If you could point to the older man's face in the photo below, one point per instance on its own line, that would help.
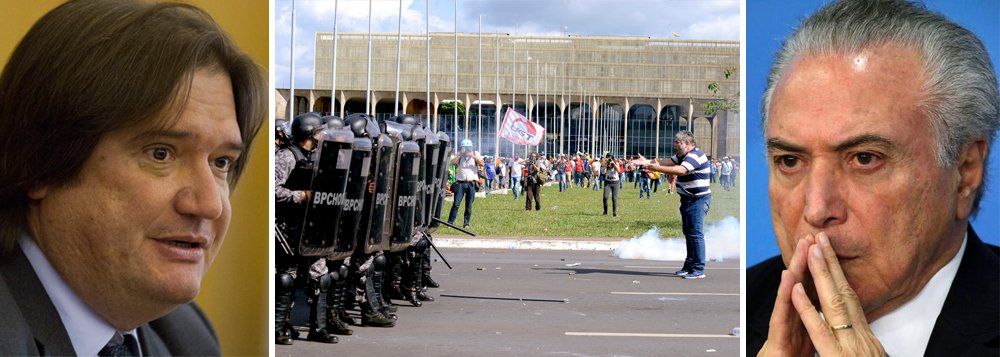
(851, 154)
(149, 210)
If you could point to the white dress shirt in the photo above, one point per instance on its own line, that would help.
(906, 330)
(88, 332)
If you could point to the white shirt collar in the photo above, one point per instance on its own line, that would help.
(88, 332)
(906, 331)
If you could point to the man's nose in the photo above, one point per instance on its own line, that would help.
(202, 194)
(824, 204)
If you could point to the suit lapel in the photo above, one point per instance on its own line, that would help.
(35, 306)
(151, 343)
(968, 321)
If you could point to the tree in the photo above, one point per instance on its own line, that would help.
(722, 103)
(449, 108)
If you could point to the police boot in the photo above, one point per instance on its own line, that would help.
(426, 262)
(371, 312)
(376, 279)
(335, 299)
(410, 286)
(285, 285)
(318, 312)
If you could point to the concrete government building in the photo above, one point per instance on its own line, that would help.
(624, 95)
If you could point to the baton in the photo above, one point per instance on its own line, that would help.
(439, 252)
(438, 220)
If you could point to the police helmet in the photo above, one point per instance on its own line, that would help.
(408, 119)
(305, 125)
(333, 122)
(357, 123)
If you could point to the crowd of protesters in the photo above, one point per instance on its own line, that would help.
(584, 171)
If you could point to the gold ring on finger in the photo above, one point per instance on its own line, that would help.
(841, 327)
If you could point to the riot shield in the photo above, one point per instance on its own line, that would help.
(440, 180)
(353, 198)
(405, 195)
(431, 162)
(375, 214)
(329, 180)
(420, 137)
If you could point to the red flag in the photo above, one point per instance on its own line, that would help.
(517, 129)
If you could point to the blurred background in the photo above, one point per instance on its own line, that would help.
(234, 294)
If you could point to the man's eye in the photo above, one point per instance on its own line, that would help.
(786, 161)
(224, 163)
(866, 159)
(159, 154)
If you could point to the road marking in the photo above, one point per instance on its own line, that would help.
(655, 293)
(668, 335)
(656, 267)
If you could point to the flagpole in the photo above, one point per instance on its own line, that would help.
(427, 35)
(291, 70)
(496, 133)
(513, 84)
(479, 114)
(455, 103)
(527, 108)
(368, 88)
(333, 73)
(399, 55)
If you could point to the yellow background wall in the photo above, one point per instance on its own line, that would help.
(235, 291)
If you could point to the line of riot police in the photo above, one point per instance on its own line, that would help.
(355, 202)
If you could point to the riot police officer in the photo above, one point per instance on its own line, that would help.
(292, 174)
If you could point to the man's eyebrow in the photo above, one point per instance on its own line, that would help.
(151, 135)
(778, 144)
(866, 139)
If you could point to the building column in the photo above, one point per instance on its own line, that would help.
(656, 143)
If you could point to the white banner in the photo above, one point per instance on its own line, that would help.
(518, 130)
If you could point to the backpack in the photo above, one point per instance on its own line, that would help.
(540, 174)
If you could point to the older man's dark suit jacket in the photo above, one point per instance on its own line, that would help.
(969, 323)
(30, 324)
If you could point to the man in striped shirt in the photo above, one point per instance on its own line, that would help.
(692, 169)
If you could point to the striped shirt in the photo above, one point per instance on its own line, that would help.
(695, 182)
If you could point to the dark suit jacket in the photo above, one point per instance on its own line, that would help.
(30, 324)
(969, 323)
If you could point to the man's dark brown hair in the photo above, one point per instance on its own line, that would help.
(90, 67)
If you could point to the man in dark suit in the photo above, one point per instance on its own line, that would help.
(126, 125)
(878, 118)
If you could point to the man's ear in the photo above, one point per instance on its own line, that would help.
(971, 166)
(38, 191)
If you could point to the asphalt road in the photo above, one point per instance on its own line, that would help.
(613, 307)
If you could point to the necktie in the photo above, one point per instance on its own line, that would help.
(120, 346)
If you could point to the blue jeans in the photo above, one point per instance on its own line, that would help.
(693, 211)
(465, 190)
(562, 181)
(488, 185)
(644, 187)
(515, 186)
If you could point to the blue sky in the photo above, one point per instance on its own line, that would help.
(691, 19)
(770, 21)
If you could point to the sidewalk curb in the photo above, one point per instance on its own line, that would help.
(548, 244)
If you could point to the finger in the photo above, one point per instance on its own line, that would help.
(783, 317)
(854, 310)
(831, 301)
(822, 337)
(797, 264)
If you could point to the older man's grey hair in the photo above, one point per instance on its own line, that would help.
(962, 99)
(685, 136)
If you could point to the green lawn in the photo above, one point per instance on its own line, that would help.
(578, 213)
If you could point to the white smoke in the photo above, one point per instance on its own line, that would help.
(722, 240)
